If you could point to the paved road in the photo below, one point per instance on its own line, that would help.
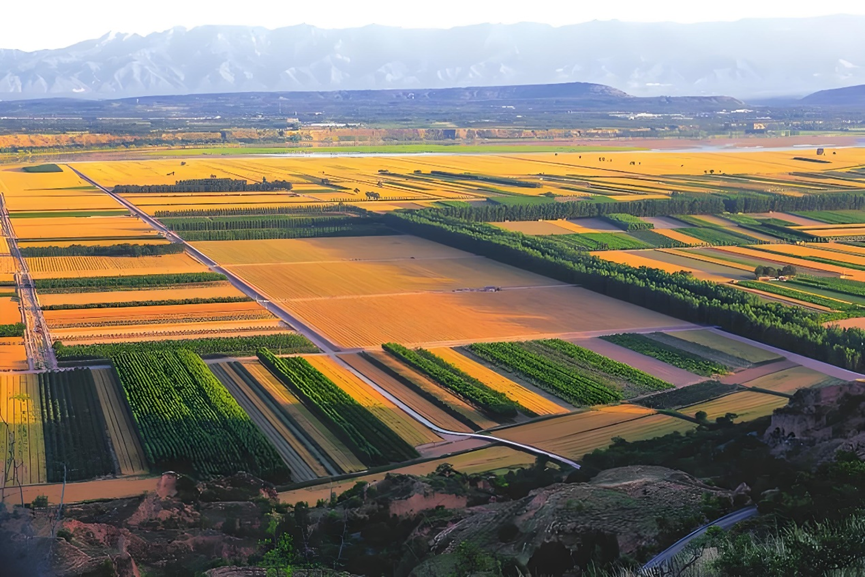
(725, 522)
(322, 343)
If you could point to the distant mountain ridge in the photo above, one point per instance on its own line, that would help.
(749, 58)
(509, 103)
(850, 97)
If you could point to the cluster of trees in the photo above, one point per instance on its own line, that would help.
(253, 222)
(74, 427)
(492, 402)
(770, 271)
(306, 210)
(284, 343)
(347, 229)
(746, 202)
(12, 330)
(189, 421)
(676, 204)
(677, 294)
(127, 304)
(371, 440)
(206, 185)
(577, 388)
(123, 249)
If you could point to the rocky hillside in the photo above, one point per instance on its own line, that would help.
(817, 423)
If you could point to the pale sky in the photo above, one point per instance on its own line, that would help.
(56, 23)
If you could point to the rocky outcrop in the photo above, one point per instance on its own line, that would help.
(817, 423)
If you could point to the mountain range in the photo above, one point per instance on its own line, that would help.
(748, 59)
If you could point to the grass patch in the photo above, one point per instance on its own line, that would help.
(42, 168)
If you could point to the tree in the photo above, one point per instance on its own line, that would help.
(278, 560)
(702, 416)
(789, 270)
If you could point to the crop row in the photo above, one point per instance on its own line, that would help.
(838, 285)
(74, 427)
(836, 217)
(206, 185)
(718, 236)
(189, 421)
(602, 241)
(628, 222)
(372, 441)
(575, 388)
(492, 402)
(606, 365)
(668, 354)
(799, 294)
(108, 283)
(284, 343)
(656, 239)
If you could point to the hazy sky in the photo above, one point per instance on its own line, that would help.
(57, 23)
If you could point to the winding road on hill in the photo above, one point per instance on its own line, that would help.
(318, 340)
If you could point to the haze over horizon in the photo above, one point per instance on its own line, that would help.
(62, 24)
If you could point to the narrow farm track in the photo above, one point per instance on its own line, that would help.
(318, 340)
(273, 430)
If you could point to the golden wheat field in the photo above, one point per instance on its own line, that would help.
(114, 227)
(577, 434)
(533, 401)
(61, 191)
(747, 405)
(207, 291)
(87, 266)
(13, 354)
(453, 318)
(789, 380)
(22, 421)
(163, 314)
(341, 279)
(394, 247)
